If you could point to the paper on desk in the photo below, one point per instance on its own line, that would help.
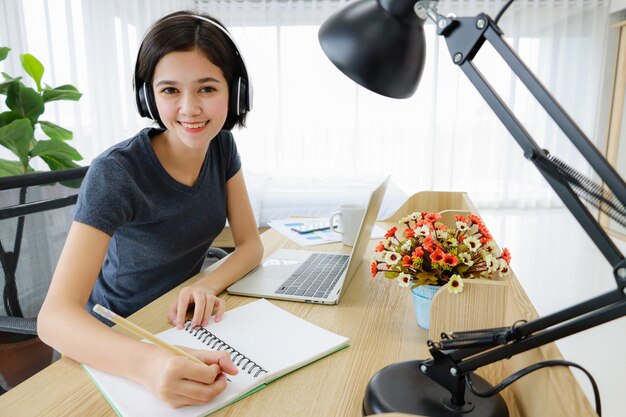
(320, 237)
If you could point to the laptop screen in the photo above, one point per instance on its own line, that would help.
(365, 231)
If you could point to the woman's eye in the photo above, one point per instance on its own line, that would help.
(207, 89)
(169, 90)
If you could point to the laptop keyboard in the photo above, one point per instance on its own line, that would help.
(316, 277)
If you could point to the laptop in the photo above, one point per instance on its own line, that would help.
(308, 276)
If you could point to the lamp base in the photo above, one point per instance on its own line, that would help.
(401, 387)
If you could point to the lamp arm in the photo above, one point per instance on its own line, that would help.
(449, 364)
(464, 37)
(536, 338)
(453, 358)
(488, 338)
(557, 113)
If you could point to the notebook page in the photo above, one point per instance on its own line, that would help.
(259, 332)
(273, 338)
(129, 399)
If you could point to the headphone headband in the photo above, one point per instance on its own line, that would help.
(244, 68)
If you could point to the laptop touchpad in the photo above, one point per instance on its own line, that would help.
(278, 269)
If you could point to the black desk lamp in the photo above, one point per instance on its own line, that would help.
(380, 45)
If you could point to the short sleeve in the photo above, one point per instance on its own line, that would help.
(230, 154)
(107, 198)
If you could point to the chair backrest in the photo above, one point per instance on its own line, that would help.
(36, 212)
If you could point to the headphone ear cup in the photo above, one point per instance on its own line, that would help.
(146, 104)
(140, 98)
(238, 97)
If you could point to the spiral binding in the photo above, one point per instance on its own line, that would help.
(213, 342)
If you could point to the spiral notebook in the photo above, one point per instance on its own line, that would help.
(265, 342)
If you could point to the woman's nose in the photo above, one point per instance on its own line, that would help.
(190, 105)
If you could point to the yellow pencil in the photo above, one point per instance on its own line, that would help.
(132, 327)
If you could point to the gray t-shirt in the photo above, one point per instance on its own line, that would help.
(160, 229)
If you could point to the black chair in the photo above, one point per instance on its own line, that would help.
(35, 217)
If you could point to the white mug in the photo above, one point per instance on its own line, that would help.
(350, 218)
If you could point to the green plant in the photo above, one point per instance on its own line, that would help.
(18, 124)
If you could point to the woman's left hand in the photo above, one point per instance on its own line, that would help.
(205, 303)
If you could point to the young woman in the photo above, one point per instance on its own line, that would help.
(150, 207)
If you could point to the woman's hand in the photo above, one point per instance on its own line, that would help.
(205, 303)
(180, 381)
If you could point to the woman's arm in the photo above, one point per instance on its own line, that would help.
(246, 256)
(64, 324)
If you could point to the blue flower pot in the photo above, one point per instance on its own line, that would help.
(422, 299)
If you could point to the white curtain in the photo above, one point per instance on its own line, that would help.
(310, 120)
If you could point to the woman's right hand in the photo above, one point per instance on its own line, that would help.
(180, 381)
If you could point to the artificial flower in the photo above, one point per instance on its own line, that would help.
(426, 251)
(405, 279)
(456, 284)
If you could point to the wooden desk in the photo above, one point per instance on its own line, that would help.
(378, 318)
(225, 239)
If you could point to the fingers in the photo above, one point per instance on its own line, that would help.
(179, 381)
(189, 392)
(200, 313)
(205, 374)
(205, 305)
(196, 393)
(181, 307)
(226, 364)
(218, 309)
(221, 359)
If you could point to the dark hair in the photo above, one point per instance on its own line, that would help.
(181, 31)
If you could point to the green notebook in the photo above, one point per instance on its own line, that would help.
(265, 343)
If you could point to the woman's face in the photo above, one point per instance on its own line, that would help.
(191, 95)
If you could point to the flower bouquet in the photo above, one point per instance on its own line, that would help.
(422, 250)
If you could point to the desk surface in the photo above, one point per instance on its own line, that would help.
(378, 318)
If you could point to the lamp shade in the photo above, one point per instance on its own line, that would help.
(378, 44)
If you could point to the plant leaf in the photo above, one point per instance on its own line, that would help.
(10, 168)
(54, 131)
(16, 136)
(33, 67)
(4, 52)
(4, 86)
(462, 268)
(25, 101)
(8, 77)
(8, 116)
(55, 163)
(63, 92)
(55, 149)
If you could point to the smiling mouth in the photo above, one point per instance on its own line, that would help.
(193, 125)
